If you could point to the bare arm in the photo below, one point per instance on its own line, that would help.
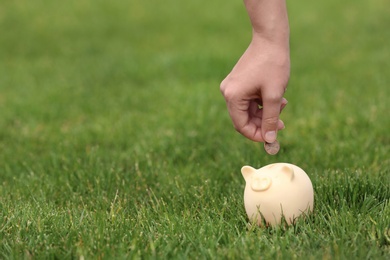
(261, 75)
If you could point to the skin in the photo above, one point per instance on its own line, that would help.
(254, 88)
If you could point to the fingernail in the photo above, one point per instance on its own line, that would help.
(270, 136)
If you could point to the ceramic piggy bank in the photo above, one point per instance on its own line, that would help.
(275, 190)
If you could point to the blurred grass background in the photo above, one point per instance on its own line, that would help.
(115, 140)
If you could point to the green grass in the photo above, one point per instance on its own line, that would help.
(115, 140)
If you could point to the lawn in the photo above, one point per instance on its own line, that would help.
(115, 141)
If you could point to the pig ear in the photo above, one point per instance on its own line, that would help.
(288, 172)
(247, 172)
(260, 184)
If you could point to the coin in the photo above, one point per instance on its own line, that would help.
(272, 148)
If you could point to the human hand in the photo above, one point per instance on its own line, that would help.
(254, 90)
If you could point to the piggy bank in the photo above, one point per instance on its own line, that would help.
(275, 191)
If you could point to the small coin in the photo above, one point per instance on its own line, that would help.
(272, 148)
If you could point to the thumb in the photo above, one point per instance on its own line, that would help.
(270, 120)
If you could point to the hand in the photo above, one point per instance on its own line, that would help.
(254, 90)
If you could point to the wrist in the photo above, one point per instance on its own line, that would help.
(278, 37)
(277, 43)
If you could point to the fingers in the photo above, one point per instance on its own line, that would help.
(283, 105)
(256, 124)
(248, 119)
(272, 106)
(245, 119)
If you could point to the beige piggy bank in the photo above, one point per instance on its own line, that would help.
(275, 190)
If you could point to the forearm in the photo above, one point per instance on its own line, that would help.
(269, 20)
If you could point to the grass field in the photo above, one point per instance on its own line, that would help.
(115, 141)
